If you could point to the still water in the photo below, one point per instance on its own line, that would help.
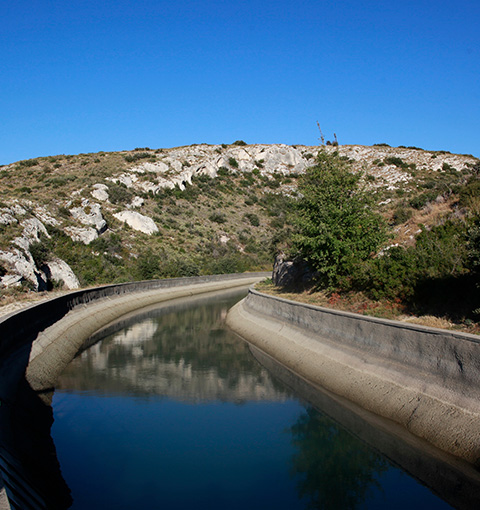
(172, 411)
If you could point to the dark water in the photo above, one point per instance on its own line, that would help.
(173, 412)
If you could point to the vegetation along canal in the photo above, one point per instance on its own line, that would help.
(171, 410)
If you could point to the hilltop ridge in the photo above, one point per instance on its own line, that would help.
(76, 220)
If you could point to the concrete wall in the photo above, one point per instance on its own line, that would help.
(425, 379)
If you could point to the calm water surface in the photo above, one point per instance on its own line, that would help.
(172, 411)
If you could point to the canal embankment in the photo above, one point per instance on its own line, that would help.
(424, 379)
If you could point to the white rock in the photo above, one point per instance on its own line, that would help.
(82, 235)
(136, 202)
(100, 192)
(58, 270)
(128, 179)
(6, 218)
(90, 213)
(33, 228)
(11, 280)
(21, 263)
(45, 217)
(137, 221)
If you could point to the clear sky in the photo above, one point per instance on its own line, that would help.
(90, 75)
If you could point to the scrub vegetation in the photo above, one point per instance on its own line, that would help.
(386, 231)
(356, 262)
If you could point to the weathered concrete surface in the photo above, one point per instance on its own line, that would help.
(454, 480)
(425, 379)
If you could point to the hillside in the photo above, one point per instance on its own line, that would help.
(78, 220)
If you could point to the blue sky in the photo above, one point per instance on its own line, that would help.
(84, 76)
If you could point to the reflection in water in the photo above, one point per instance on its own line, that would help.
(171, 410)
(335, 469)
(181, 352)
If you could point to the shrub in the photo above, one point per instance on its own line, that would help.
(233, 162)
(253, 219)
(119, 194)
(40, 251)
(239, 143)
(401, 214)
(27, 163)
(130, 158)
(218, 217)
(148, 266)
(223, 171)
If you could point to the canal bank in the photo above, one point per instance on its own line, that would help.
(426, 380)
(36, 344)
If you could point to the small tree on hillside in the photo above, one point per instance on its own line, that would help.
(337, 228)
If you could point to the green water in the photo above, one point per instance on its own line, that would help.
(172, 411)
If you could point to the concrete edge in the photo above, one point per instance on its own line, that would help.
(449, 421)
(369, 319)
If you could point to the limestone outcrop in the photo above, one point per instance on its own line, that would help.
(137, 221)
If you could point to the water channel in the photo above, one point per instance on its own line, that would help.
(172, 411)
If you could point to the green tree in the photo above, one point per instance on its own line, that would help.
(337, 228)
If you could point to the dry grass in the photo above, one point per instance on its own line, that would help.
(356, 302)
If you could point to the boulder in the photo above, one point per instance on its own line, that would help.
(21, 264)
(293, 274)
(58, 270)
(100, 192)
(11, 280)
(137, 221)
(83, 235)
(90, 214)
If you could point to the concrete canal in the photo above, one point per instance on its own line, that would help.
(166, 407)
(172, 410)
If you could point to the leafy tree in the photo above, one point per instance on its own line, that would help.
(338, 229)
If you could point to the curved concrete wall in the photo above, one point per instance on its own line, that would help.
(425, 379)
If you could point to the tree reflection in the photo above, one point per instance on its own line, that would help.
(335, 469)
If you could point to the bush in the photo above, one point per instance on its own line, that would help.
(233, 162)
(119, 194)
(130, 158)
(40, 251)
(148, 266)
(218, 217)
(401, 215)
(253, 219)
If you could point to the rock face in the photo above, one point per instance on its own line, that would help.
(83, 235)
(22, 267)
(290, 273)
(137, 221)
(59, 271)
(90, 214)
(100, 192)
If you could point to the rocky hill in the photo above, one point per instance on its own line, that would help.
(77, 220)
